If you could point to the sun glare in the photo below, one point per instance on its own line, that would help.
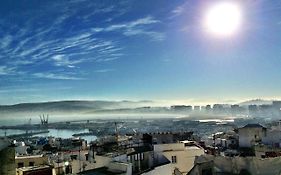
(223, 19)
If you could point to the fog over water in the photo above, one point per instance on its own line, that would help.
(35, 119)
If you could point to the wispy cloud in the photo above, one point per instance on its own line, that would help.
(104, 70)
(155, 36)
(136, 27)
(179, 10)
(63, 60)
(6, 41)
(5, 70)
(56, 76)
(18, 90)
(44, 49)
(130, 25)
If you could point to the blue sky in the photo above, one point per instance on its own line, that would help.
(136, 50)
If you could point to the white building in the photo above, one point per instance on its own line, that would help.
(209, 164)
(181, 155)
(251, 134)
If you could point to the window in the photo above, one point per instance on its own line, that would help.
(174, 159)
(20, 164)
(31, 163)
(141, 156)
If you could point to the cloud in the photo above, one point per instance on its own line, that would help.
(48, 42)
(179, 10)
(130, 25)
(136, 27)
(56, 76)
(5, 70)
(62, 60)
(104, 70)
(18, 90)
(155, 36)
(6, 41)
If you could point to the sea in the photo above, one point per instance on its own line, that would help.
(67, 133)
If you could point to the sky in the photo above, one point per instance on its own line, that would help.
(136, 50)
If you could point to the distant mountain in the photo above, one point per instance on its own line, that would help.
(142, 110)
(71, 106)
(256, 102)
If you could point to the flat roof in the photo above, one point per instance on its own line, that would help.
(33, 168)
(28, 157)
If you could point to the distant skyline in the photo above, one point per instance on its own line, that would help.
(136, 50)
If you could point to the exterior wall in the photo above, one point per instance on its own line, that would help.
(248, 136)
(38, 171)
(234, 165)
(100, 161)
(161, 170)
(126, 167)
(38, 160)
(141, 161)
(7, 161)
(185, 159)
(273, 138)
(202, 168)
(185, 156)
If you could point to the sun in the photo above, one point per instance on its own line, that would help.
(223, 19)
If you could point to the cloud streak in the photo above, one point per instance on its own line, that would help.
(104, 70)
(61, 40)
(135, 28)
(56, 76)
(5, 70)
